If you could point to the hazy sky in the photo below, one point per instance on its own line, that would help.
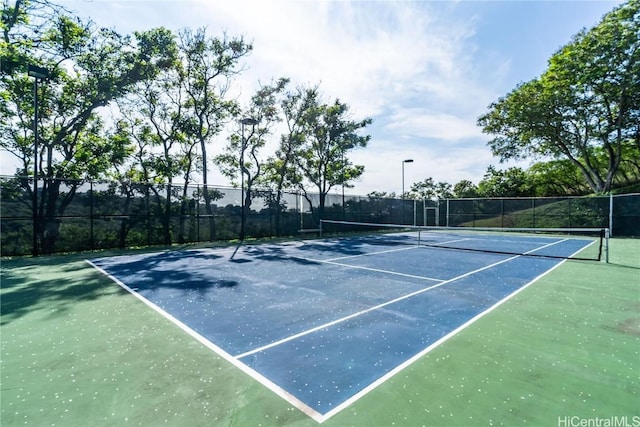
(422, 70)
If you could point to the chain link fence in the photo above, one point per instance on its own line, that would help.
(74, 216)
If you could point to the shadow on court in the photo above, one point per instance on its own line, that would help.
(29, 288)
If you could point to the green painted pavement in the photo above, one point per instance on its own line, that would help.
(76, 350)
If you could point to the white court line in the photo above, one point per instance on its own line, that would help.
(373, 253)
(379, 306)
(294, 401)
(435, 344)
(377, 270)
(416, 246)
(306, 409)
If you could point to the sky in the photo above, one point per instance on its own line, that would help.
(424, 71)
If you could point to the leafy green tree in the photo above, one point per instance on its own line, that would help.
(587, 102)
(557, 178)
(280, 169)
(629, 172)
(427, 189)
(208, 65)
(90, 68)
(156, 111)
(243, 155)
(512, 182)
(24, 24)
(179, 112)
(465, 189)
(322, 160)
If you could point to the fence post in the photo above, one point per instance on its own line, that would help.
(424, 211)
(473, 216)
(447, 221)
(533, 212)
(299, 203)
(91, 201)
(610, 216)
(147, 194)
(607, 234)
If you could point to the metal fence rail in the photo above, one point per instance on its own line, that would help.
(76, 216)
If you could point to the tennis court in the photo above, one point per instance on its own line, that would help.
(346, 330)
(323, 322)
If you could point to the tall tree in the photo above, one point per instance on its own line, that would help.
(89, 69)
(209, 64)
(243, 155)
(322, 160)
(557, 178)
(280, 169)
(587, 100)
(180, 112)
(156, 111)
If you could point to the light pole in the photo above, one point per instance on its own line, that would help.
(246, 121)
(38, 73)
(403, 162)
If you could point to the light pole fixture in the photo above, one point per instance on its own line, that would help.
(38, 73)
(247, 121)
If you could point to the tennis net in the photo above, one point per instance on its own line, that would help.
(589, 244)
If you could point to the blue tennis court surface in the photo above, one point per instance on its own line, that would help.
(322, 322)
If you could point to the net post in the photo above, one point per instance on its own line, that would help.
(320, 229)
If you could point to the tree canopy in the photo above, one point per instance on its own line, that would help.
(155, 106)
(329, 135)
(585, 107)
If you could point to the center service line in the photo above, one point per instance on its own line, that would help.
(359, 313)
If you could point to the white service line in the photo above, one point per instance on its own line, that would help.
(429, 348)
(377, 270)
(448, 242)
(376, 307)
(373, 253)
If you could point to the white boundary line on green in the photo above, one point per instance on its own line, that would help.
(290, 398)
(431, 347)
(437, 343)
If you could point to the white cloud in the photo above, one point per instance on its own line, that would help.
(368, 54)
(424, 71)
(436, 159)
(420, 123)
